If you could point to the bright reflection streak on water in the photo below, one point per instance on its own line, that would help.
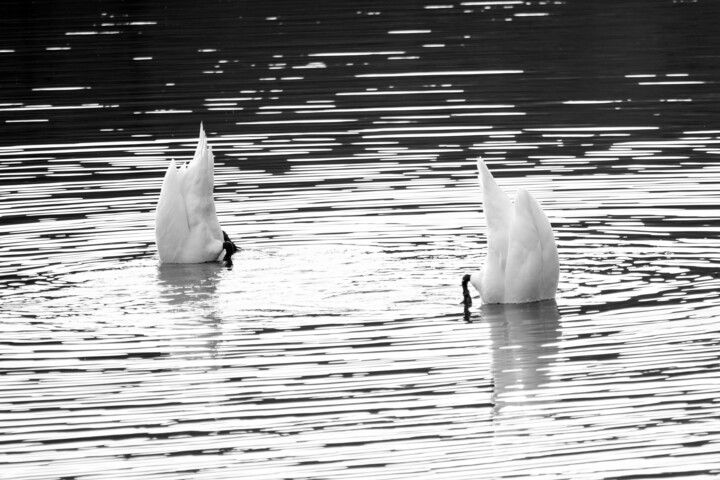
(335, 347)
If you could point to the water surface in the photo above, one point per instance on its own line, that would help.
(345, 140)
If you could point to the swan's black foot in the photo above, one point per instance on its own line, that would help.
(467, 299)
(229, 248)
(467, 316)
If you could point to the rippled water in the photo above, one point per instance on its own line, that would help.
(345, 139)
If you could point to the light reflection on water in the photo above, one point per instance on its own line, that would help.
(336, 346)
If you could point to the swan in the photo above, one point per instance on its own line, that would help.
(521, 264)
(186, 225)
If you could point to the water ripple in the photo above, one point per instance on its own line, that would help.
(345, 144)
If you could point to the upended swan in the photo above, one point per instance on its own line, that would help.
(522, 261)
(186, 225)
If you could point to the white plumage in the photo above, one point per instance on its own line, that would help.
(186, 225)
(522, 261)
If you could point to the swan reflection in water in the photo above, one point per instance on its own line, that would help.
(524, 338)
(191, 291)
(189, 283)
(524, 346)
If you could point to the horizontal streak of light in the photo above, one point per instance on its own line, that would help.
(278, 122)
(569, 135)
(444, 134)
(276, 152)
(489, 114)
(669, 143)
(162, 112)
(89, 146)
(405, 129)
(311, 65)
(59, 89)
(491, 3)
(33, 108)
(588, 129)
(289, 145)
(120, 24)
(414, 117)
(408, 32)
(405, 109)
(652, 75)
(515, 146)
(399, 92)
(34, 120)
(589, 102)
(94, 32)
(355, 54)
(440, 73)
(669, 82)
(232, 99)
(294, 107)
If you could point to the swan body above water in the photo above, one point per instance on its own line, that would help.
(521, 264)
(186, 225)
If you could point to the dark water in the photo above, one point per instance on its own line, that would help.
(345, 139)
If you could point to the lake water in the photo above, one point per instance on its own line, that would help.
(345, 139)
